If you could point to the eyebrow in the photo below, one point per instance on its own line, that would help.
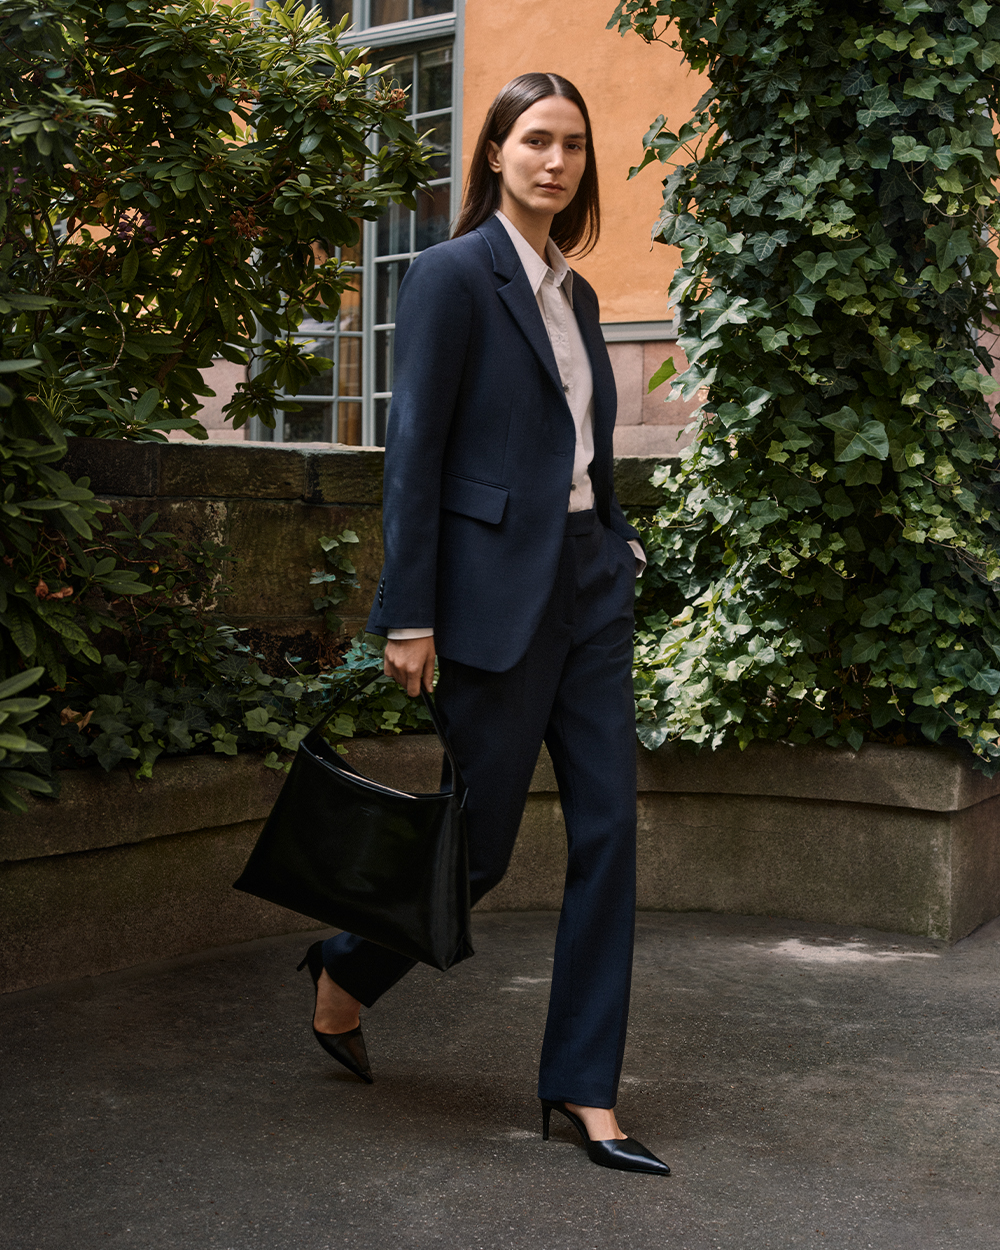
(540, 130)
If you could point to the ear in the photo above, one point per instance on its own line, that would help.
(493, 156)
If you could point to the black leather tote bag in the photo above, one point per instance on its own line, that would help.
(387, 865)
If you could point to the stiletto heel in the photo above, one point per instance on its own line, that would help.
(347, 1048)
(628, 1155)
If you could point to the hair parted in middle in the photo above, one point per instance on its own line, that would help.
(575, 230)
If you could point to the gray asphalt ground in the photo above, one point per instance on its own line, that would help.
(811, 1086)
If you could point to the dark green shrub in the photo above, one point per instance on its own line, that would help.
(827, 554)
(167, 171)
(174, 181)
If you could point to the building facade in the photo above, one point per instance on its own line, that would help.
(452, 56)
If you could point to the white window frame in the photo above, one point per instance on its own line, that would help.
(405, 36)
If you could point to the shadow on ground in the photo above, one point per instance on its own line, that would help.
(810, 1086)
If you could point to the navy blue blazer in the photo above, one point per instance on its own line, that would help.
(479, 452)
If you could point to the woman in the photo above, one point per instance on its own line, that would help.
(507, 557)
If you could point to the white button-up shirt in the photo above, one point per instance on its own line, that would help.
(552, 285)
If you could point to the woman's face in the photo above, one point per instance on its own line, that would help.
(543, 158)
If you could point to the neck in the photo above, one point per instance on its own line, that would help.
(533, 227)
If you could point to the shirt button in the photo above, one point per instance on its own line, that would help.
(573, 487)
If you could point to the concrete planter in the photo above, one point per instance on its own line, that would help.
(119, 872)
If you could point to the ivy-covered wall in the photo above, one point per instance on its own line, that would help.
(829, 553)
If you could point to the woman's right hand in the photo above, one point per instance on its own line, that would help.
(410, 661)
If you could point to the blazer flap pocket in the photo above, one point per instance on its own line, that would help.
(468, 497)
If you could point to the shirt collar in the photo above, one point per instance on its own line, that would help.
(534, 267)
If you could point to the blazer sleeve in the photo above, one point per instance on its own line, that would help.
(433, 327)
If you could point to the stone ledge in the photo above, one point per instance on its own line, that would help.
(338, 475)
(926, 778)
(98, 809)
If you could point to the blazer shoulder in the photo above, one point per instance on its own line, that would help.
(454, 260)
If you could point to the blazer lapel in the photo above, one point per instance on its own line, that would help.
(605, 395)
(519, 297)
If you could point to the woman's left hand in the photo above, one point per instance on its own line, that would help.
(410, 661)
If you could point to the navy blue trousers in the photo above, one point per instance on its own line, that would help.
(572, 689)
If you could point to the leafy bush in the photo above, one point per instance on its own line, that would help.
(337, 577)
(825, 564)
(15, 743)
(117, 715)
(173, 678)
(174, 181)
(167, 171)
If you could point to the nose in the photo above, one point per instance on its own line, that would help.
(554, 158)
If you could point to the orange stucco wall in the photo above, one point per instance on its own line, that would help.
(626, 84)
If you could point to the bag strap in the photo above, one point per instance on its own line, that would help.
(458, 786)
(361, 685)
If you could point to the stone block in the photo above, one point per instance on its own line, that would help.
(657, 406)
(914, 777)
(626, 361)
(899, 838)
(346, 476)
(657, 443)
(276, 545)
(114, 466)
(232, 471)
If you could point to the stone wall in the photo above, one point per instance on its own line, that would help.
(271, 505)
(648, 424)
(119, 871)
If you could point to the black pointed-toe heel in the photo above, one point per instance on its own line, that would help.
(628, 1155)
(347, 1048)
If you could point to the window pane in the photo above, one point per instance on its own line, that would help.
(350, 308)
(349, 381)
(334, 10)
(440, 139)
(381, 419)
(385, 11)
(313, 424)
(399, 73)
(322, 383)
(424, 8)
(394, 231)
(383, 360)
(387, 289)
(349, 424)
(433, 216)
(434, 88)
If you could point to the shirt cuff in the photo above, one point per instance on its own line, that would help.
(640, 556)
(398, 635)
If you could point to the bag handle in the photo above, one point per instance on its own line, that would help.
(362, 684)
(457, 784)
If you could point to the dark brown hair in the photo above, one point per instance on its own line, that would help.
(577, 227)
